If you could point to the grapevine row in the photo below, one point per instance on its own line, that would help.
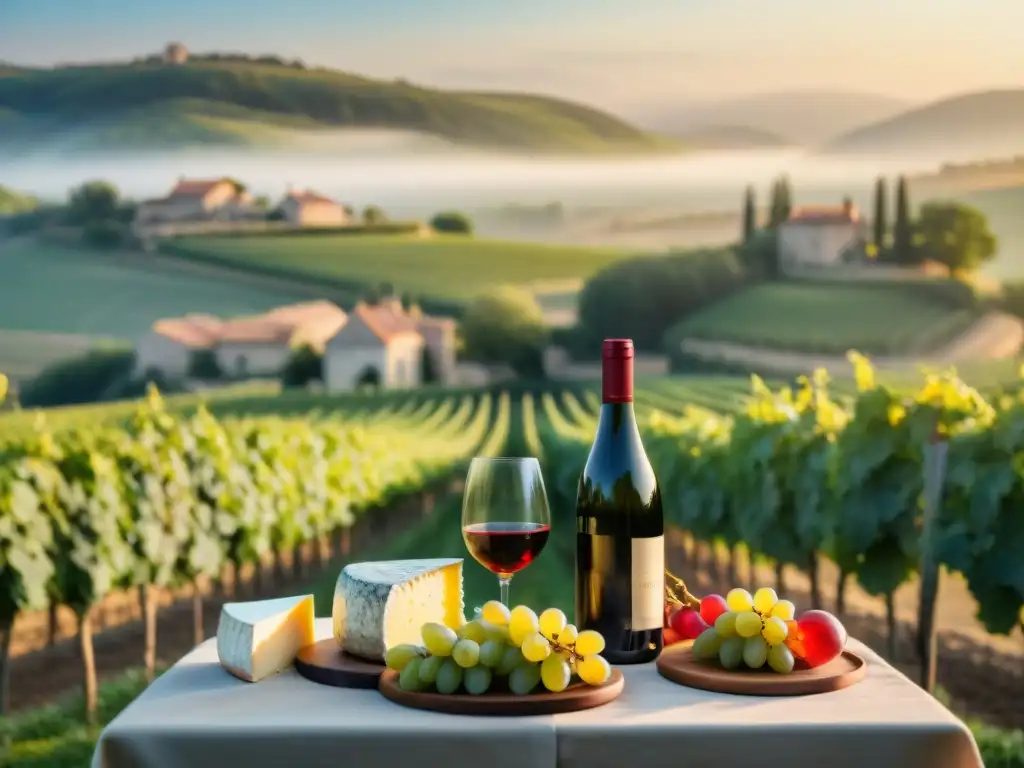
(797, 473)
(167, 501)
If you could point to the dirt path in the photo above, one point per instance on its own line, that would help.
(994, 336)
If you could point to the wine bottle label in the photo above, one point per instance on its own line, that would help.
(648, 582)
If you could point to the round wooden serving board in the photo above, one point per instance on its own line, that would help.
(677, 664)
(325, 663)
(576, 697)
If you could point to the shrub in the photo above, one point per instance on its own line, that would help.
(104, 234)
(506, 325)
(304, 365)
(204, 365)
(452, 223)
(86, 379)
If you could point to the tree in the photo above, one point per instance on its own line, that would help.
(92, 202)
(373, 215)
(781, 204)
(880, 223)
(304, 365)
(954, 234)
(506, 325)
(749, 215)
(452, 222)
(902, 228)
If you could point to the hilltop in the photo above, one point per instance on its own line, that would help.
(985, 124)
(150, 104)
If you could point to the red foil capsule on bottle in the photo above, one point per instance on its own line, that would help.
(617, 371)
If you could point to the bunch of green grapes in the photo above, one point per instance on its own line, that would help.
(518, 646)
(752, 632)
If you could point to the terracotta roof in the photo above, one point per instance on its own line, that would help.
(186, 332)
(196, 187)
(307, 196)
(384, 322)
(836, 214)
(311, 322)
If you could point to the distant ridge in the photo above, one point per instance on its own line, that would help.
(236, 101)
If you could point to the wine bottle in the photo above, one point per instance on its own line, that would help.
(620, 529)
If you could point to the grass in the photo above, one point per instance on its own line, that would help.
(50, 289)
(442, 267)
(23, 354)
(231, 102)
(828, 319)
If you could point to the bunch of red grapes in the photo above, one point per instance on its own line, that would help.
(815, 637)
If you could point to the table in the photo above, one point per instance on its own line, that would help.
(197, 716)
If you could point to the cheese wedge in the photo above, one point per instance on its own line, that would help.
(259, 639)
(383, 604)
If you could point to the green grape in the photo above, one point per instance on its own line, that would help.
(739, 600)
(784, 610)
(399, 655)
(429, 667)
(568, 635)
(774, 631)
(707, 644)
(472, 630)
(748, 624)
(780, 659)
(409, 677)
(494, 632)
(511, 659)
(589, 643)
(755, 652)
(764, 600)
(476, 680)
(555, 673)
(449, 677)
(725, 625)
(466, 653)
(731, 653)
(522, 621)
(551, 622)
(594, 670)
(524, 679)
(495, 612)
(491, 653)
(439, 639)
(535, 647)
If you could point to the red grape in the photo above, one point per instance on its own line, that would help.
(821, 636)
(688, 623)
(711, 607)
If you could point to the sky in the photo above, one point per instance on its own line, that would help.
(613, 53)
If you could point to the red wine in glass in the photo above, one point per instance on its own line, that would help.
(505, 548)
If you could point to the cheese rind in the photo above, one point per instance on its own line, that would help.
(378, 605)
(258, 639)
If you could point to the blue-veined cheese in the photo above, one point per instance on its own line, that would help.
(260, 638)
(383, 604)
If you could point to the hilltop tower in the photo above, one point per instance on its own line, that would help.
(175, 53)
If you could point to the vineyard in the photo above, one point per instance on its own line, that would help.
(759, 482)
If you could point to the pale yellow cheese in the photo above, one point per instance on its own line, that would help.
(258, 639)
(378, 605)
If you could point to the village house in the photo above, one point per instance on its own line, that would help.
(384, 345)
(258, 345)
(820, 237)
(197, 200)
(306, 208)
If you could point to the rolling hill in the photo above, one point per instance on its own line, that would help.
(803, 117)
(970, 126)
(153, 105)
(729, 137)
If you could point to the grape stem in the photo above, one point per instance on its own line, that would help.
(676, 592)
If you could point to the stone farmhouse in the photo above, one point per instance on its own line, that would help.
(820, 237)
(379, 344)
(309, 209)
(198, 200)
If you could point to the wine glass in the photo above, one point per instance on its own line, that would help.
(505, 515)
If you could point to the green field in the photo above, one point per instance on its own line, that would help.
(232, 102)
(1003, 209)
(451, 268)
(56, 300)
(828, 319)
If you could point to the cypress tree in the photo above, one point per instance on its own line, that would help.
(880, 223)
(749, 215)
(785, 199)
(902, 234)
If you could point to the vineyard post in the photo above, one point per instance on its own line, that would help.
(814, 574)
(841, 584)
(148, 604)
(88, 658)
(198, 631)
(6, 633)
(52, 623)
(935, 453)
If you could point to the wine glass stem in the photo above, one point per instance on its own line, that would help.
(503, 582)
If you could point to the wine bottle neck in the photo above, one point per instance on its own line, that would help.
(617, 381)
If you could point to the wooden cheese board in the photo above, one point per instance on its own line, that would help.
(576, 697)
(677, 664)
(325, 663)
